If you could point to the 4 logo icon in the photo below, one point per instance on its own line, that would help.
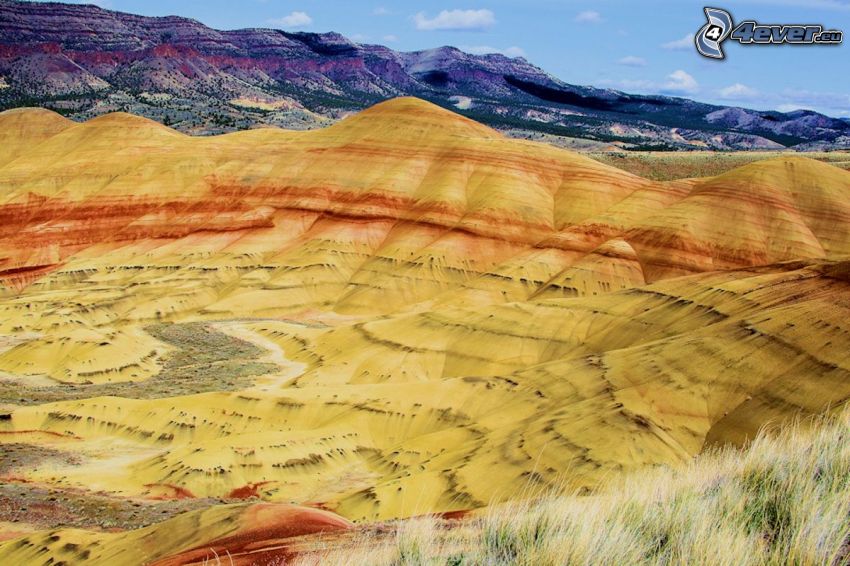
(721, 27)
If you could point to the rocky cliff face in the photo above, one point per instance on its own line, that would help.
(84, 61)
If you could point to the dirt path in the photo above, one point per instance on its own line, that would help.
(273, 381)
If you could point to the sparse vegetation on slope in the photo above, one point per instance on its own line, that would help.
(783, 500)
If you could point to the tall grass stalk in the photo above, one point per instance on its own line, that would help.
(783, 500)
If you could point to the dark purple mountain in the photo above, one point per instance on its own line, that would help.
(82, 60)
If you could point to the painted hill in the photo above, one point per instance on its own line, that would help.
(403, 313)
(85, 61)
(250, 532)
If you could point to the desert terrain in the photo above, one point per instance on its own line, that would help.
(221, 343)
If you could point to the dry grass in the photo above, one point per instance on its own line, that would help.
(783, 500)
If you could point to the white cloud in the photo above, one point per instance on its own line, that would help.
(680, 82)
(589, 17)
(513, 51)
(359, 37)
(456, 20)
(380, 11)
(630, 85)
(391, 38)
(632, 61)
(293, 20)
(686, 42)
(828, 102)
(790, 107)
(738, 91)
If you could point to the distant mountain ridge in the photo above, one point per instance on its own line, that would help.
(82, 61)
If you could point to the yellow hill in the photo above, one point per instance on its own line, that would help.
(22, 129)
(400, 314)
(405, 119)
(250, 532)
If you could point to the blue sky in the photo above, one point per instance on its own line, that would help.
(638, 46)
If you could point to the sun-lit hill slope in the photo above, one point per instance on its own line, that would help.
(781, 500)
(759, 505)
(752, 215)
(451, 409)
(248, 532)
(22, 129)
(404, 204)
(402, 313)
(430, 183)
